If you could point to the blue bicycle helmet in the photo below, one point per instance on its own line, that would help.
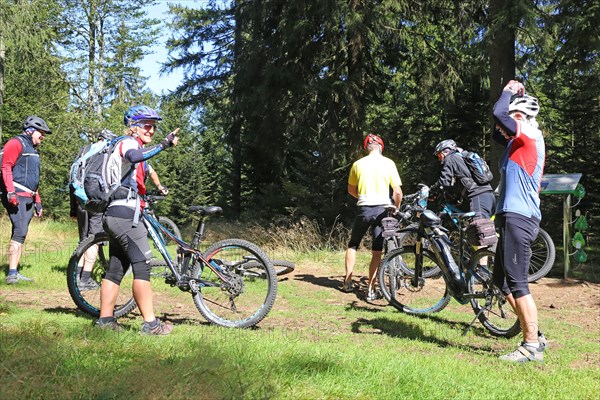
(139, 113)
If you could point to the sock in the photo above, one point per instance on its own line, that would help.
(85, 275)
(534, 345)
(153, 324)
(12, 271)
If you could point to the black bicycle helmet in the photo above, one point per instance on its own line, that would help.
(37, 123)
(443, 145)
(106, 135)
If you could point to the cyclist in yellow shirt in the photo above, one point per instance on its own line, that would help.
(370, 180)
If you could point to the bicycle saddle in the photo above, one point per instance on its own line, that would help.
(206, 210)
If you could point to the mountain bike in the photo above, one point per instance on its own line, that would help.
(160, 267)
(404, 284)
(543, 251)
(232, 283)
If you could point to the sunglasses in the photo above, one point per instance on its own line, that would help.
(147, 127)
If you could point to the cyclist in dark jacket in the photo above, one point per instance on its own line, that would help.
(20, 180)
(456, 179)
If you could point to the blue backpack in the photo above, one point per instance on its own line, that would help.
(480, 170)
(90, 175)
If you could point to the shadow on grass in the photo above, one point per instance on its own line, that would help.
(21, 268)
(320, 281)
(59, 268)
(441, 335)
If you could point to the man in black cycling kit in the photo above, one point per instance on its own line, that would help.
(456, 179)
(20, 180)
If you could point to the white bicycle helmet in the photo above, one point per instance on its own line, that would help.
(526, 104)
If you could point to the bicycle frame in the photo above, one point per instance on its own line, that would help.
(189, 251)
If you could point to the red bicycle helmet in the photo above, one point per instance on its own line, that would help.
(373, 138)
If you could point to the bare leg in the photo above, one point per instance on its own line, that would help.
(15, 250)
(527, 312)
(350, 261)
(142, 293)
(89, 258)
(108, 297)
(375, 261)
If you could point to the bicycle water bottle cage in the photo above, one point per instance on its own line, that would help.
(429, 219)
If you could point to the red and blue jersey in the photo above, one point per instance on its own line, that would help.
(521, 165)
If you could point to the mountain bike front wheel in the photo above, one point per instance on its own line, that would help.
(92, 254)
(171, 227)
(489, 304)
(229, 296)
(410, 294)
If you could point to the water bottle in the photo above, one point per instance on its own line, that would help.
(423, 196)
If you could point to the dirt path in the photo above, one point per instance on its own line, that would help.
(573, 301)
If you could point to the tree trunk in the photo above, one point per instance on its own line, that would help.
(235, 133)
(502, 62)
(356, 78)
(100, 68)
(91, 60)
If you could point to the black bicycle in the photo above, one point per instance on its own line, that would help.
(404, 284)
(232, 283)
(160, 267)
(543, 251)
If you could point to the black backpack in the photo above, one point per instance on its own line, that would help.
(480, 171)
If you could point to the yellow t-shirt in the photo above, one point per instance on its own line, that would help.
(374, 175)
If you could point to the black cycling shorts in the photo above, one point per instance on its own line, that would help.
(513, 253)
(128, 245)
(20, 217)
(368, 216)
(88, 223)
(483, 204)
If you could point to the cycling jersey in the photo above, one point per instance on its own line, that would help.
(521, 165)
(373, 175)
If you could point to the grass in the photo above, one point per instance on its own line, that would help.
(315, 344)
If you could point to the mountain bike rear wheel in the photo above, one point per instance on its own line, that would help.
(492, 309)
(228, 296)
(543, 254)
(410, 294)
(94, 250)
